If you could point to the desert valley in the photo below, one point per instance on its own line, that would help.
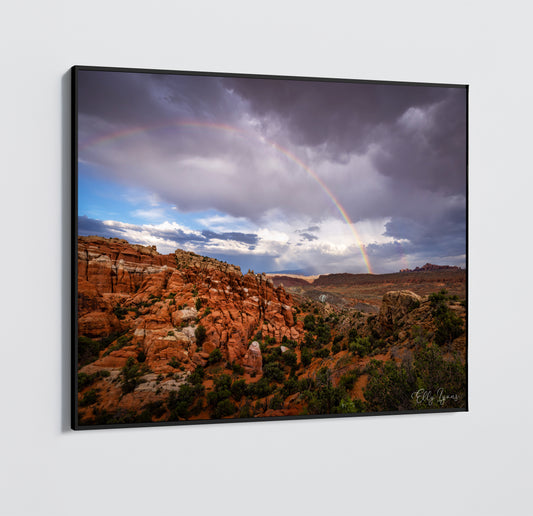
(182, 337)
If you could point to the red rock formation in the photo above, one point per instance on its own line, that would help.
(161, 301)
(430, 267)
(150, 324)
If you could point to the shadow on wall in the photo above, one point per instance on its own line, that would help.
(67, 197)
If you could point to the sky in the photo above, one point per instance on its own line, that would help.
(301, 176)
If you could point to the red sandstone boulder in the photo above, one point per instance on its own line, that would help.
(97, 324)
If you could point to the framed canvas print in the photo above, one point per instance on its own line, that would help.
(250, 248)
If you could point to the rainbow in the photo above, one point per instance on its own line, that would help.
(224, 127)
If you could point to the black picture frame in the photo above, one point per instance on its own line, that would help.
(75, 133)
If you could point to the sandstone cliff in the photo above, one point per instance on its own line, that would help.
(159, 302)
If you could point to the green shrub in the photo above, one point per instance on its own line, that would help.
(437, 298)
(89, 398)
(237, 368)
(197, 376)
(155, 409)
(224, 408)
(350, 406)
(289, 358)
(246, 411)
(200, 334)
(276, 403)
(362, 346)
(221, 392)
(306, 384)
(88, 350)
(449, 327)
(323, 334)
(347, 380)
(180, 403)
(273, 372)
(307, 356)
(322, 397)
(120, 312)
(321, 353)
(272, 355)
(238, 389)
(215, 356)
(259, 389)
(291, 344)
(291, 386)
(84, 379)
(121, 342)
(392, 387)
(223, 382)
(130, 373)
(174, 362)
(309, 322)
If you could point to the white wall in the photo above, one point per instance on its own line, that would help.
(461, 464)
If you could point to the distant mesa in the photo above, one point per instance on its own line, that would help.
(431, 267)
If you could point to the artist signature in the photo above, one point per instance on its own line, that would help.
(439, 397)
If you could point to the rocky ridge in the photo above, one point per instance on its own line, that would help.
(181, 336)
(160, 302)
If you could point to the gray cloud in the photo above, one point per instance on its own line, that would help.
(247, 238)
(394, 152)
(308, 236)
(88, 227)
(345, 117)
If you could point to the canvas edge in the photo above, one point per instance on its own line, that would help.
(74, 236)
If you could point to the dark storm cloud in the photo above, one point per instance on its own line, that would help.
(427, 148)
(177, 235)
(343, 116)
(444, 232)
(133, 99)
(420, 130)
(89, 227)
(246, 238)
(440, 240)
